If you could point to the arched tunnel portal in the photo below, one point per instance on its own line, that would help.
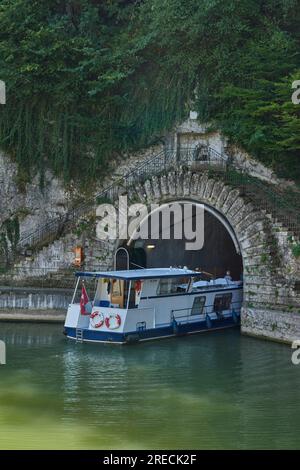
(219, 253)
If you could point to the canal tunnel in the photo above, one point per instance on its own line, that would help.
(220, 251)
(238, 236)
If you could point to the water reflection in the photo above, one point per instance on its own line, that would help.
(217, 390)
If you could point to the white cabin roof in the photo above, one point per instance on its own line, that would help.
(151, 273)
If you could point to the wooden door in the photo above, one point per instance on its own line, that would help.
(117, 292)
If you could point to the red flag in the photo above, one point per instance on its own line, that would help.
(83, 300)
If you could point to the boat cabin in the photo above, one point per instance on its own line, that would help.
(149, 299)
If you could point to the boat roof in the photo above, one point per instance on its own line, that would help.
(151, 273)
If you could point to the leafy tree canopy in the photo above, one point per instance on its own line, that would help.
(88, 79)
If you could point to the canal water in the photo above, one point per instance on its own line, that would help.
(215, 391)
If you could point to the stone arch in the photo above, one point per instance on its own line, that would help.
(268, 289)
(224, 222)
(247, 222)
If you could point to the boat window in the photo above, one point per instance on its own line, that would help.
(133, 293)
(171, 285)
(198, 305)
(132, 297)
(116, 287)
(222, 302)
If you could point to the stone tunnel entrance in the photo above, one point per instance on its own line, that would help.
(240, 236)
(220, 251)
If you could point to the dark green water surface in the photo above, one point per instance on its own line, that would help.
(216, 390)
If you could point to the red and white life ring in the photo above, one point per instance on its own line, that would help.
(97, 319)
(113, 321)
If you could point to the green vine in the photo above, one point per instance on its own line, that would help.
(9, 238)
(296, 250)
(88, 80)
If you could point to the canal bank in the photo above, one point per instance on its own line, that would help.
(34, 304)
(23, 315)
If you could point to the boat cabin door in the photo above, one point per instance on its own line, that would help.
(117, 292)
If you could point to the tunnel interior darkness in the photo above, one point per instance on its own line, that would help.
(217, 255)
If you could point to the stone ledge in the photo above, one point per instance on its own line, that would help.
(36, 290)
(23, 315)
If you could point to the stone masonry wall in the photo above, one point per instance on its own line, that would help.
(34, 299)
(33, 206)
(192, 133)
(271, 324)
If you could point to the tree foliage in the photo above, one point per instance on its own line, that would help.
(89, 79)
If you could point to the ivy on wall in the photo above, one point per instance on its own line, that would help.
(9, 238)
(89, 79)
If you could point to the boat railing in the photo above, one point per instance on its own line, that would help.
(214, 284)
(185, 314)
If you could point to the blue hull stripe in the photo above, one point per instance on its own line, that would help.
(153, 333)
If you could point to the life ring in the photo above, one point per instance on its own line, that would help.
(97, 319)
(113, 321)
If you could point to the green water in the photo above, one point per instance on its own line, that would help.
(216, 390)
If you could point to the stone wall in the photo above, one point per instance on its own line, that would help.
(36, 299)
(59, 256)
(192, 133)
(271, 324)
(33, 206)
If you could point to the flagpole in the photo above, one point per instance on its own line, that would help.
(76, 287)
(83, 284)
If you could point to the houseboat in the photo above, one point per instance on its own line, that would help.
(145, 304)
